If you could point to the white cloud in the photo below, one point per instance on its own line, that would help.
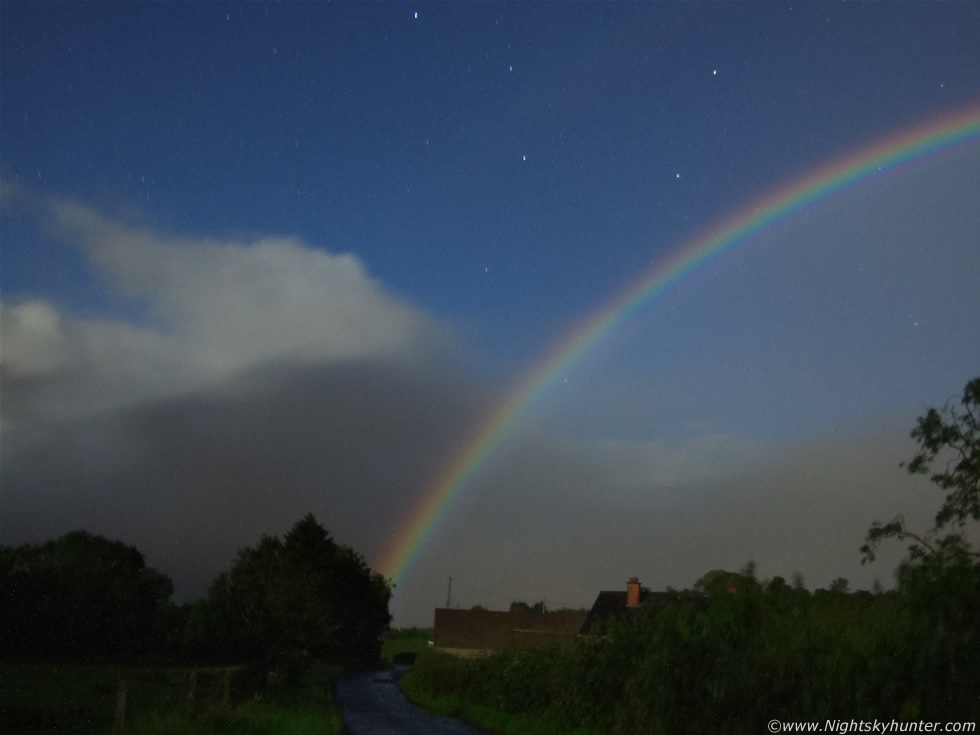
(239, 304)
(216, 309)
(59, 367)
(33, 339)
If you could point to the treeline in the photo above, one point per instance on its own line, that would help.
(83, 597)
(714, 660)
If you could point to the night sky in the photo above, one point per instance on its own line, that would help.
(261, 259)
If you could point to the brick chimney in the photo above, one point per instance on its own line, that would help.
(633, 592)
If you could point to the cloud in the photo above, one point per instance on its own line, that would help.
(256, 382)
(266, 379)
(56, 367)
(215, 309)
(239, 304)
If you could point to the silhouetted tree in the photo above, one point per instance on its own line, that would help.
(952, 436)
(304, 592)
(718, 581)
(799, 583)
(839, 586)
(940, 579)
(80, 596)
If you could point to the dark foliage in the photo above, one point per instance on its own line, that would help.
(951, 439)
(715, 661)
(302, 593)
(80, 597)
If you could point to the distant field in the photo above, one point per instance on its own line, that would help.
(80, 699)
(405, 644)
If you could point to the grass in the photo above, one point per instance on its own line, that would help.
(486, 718)
(45, 699)
(401, 646)
(307, 709)
(81, 698)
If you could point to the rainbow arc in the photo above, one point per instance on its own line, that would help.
(911, 145)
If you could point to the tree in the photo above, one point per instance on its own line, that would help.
(81, 596)
(799, 583)
(302, 593)
(951, 436)
(839, 586)
(721, 582)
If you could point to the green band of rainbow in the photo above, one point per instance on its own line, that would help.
(933, 137)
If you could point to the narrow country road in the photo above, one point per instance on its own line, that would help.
(372, 704)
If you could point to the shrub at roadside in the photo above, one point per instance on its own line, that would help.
(714, 661)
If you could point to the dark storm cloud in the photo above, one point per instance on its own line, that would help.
(192, 478)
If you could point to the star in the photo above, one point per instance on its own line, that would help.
(715, 72)
(416, 15)
(524, 157)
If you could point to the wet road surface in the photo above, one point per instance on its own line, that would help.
(372, 704)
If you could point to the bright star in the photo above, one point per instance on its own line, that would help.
(416, 14)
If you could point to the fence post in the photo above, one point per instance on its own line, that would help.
(191, 692)
(119, 725)
(226, 691)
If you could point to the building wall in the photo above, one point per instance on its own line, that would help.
(486, 630)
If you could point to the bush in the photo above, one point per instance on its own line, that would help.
(728, 663)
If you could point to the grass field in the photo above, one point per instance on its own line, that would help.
(44, 699)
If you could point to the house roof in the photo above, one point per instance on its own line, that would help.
(608, 604)
(612, 604)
